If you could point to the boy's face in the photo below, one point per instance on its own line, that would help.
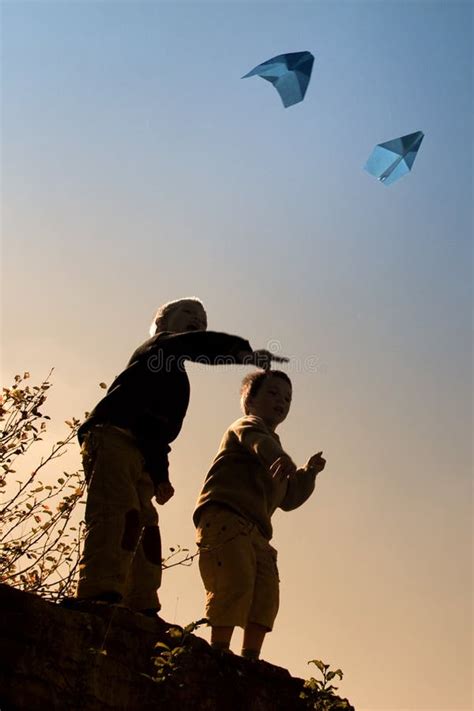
(272, 402)
(188, 316)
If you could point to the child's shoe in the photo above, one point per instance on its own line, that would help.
(221, 648)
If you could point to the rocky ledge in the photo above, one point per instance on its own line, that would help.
(57, 658)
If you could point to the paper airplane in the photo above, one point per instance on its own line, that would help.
(391, 160)
(289, 74)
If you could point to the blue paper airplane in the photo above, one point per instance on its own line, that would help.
(391, 160)
(289, 74)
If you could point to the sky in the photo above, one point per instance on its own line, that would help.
(137, 168)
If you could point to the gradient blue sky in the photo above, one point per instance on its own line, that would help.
(137, 168)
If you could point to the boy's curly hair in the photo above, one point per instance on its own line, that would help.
(252, 383)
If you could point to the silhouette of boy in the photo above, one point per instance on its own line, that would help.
(250, 478)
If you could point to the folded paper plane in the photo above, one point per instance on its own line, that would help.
(289, 73)
(391, 160)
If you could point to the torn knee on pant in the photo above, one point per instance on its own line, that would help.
(151, 543)
(131, 532)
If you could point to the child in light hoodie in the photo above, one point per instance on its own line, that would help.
(250, 478)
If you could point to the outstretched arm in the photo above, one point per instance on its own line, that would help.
(208, 347)
(261, 358)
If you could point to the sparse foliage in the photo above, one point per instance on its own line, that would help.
(178, 556)
(167, 662)
(39, 541)
(40, 537)
(319, 694)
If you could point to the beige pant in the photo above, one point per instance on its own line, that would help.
(119, 510)
(238, 568)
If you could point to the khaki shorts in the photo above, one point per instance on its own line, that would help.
(238, 568)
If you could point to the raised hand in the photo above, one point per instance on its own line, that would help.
(316, 463)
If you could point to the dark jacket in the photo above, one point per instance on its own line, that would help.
(150, 397)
